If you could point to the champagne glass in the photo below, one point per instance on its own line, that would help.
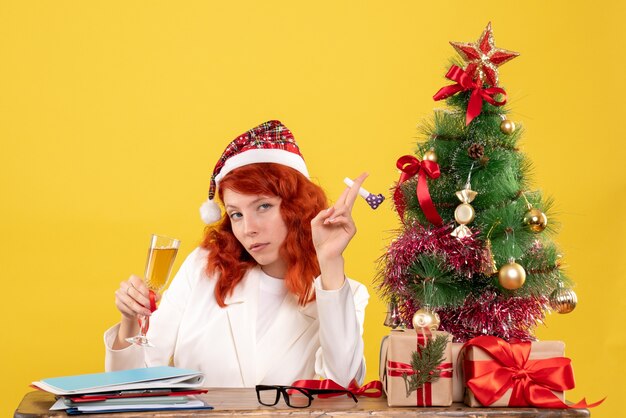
(161, 256)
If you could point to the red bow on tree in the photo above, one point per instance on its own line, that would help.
(531, 381)
(410, 166)
(464, 82)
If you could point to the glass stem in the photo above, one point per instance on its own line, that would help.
(144, 323)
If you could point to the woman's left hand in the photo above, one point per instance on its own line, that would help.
(333, 228)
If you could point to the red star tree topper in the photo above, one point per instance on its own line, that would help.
(483, 58)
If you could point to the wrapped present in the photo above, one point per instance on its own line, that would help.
(498, 373)
(406, 386)
(458, 384)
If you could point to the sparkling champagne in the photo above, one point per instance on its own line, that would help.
(161, 257)
(160, 261)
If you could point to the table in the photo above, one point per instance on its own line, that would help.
(242, 402)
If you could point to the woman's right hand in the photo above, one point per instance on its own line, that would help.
(133, 299)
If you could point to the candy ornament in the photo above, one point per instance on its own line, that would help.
(464, 213)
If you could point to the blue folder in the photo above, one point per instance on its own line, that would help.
(143, 378)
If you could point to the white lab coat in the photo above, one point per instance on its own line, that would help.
(189, 330)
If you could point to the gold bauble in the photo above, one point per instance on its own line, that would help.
(430, 156)
(563, 300)
(507, 127)
(464, 213)
(512, 276)
(424, 318)
(536, 220)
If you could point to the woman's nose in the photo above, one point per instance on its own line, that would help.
(251, 226)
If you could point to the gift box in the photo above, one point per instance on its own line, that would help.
(501, 374)
(458, 383)
(395, 370)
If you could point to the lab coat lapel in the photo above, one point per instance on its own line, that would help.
(291, 322)
(242, 313)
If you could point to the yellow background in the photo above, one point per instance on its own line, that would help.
(113, 113)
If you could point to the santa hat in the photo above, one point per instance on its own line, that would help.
(270, 142)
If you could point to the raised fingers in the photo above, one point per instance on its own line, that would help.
(353, 191)
(341, 201)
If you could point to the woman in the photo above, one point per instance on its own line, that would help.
(264, 299)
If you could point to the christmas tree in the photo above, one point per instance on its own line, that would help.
(474, 255)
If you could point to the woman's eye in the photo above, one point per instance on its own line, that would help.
(265, 206)
(235, 215)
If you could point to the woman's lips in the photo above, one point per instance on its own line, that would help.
(258, 247)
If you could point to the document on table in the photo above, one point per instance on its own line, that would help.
(191, 403)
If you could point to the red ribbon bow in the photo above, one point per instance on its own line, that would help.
(373, 389)
(397, 369)
(464, 82)
(531, 381)
(410, 166)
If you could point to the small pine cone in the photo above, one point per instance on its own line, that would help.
(476, 151)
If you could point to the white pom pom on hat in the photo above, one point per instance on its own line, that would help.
(210, 212)
(270, 142)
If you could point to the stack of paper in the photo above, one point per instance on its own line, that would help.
(145, 389)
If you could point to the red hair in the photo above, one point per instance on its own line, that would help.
(301, 201)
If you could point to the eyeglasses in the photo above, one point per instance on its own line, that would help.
(294, 397)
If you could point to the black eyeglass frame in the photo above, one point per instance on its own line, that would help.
(284, 390)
